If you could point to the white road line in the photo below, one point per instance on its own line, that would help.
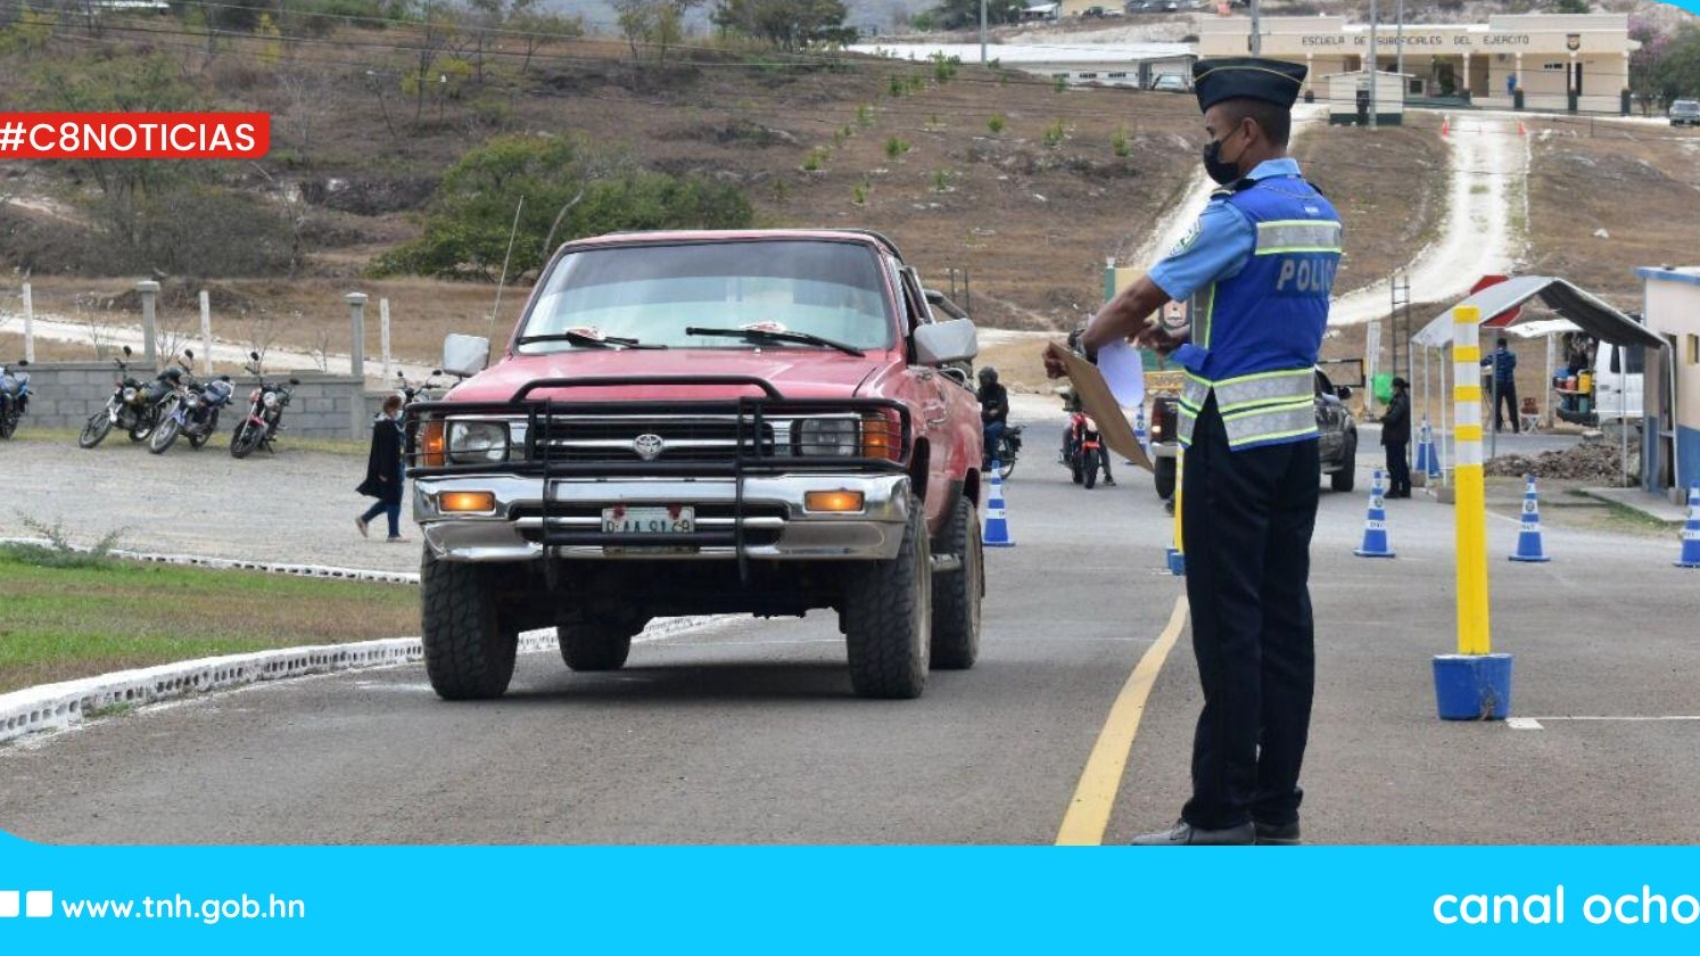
(1625, 719)
(1522, 723)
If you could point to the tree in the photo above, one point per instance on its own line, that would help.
(468, 226)
(1571, 6)
(656, 23)
(787, 24)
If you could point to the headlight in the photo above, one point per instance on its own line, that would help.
(473, 442)
(129, 395)
(193, 401)
(269, 399)
(829, 437)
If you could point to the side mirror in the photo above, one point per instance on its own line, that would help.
(23, 362)
(1344, 391)
(254, 355)
(294, 381)
(127, 352)
(190, 353)
(465, 355)
(944, 342)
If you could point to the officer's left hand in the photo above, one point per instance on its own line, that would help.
(1054, 366)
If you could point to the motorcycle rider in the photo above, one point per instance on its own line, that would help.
(994, 411)
(1083, 429)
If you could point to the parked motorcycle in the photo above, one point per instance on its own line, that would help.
(14, 396)
(134, 406)
(265, 413)
(193, 413)
(423, 391)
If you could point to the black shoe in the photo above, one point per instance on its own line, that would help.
(1185, 834)
(1277, 834)
(1109, 482)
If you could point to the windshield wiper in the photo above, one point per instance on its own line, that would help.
(581, 338)
(770, 335)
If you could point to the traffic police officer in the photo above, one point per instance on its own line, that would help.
(1257, 267)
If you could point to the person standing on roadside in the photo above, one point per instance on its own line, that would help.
(385, 476)
(1504, 362)
(1259, 266)
(1396, 437)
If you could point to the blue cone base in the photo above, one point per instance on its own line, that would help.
(1530, 559)
(1472, 686)
(1688, 564)
(1360, 552)
(1177, 563)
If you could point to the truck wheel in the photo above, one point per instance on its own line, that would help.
(594, 645)
(1346, 477)
(956, 597)
(888, 616)
(468, 654)
(1163, 469)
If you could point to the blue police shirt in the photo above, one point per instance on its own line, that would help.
(1218, 246)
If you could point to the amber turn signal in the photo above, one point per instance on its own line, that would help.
(480, 502)
(842, 501)
(881, 438)
(431, 444)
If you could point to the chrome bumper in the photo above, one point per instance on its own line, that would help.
(783, 529)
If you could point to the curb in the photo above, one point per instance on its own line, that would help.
(53, 707)
(234, 564)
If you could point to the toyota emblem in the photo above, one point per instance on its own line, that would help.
(648, 447)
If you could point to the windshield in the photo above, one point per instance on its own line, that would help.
(651, 293)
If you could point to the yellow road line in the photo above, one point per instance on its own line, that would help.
(1095, 795)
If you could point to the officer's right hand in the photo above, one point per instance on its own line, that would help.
(1054, 365)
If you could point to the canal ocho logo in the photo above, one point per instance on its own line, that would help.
(1573, 42)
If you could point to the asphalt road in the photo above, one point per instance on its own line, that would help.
(748, 733)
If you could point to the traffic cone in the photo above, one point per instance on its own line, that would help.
(1375, 525)
(1529, 539)
(1691, 531)
(997, 524)
(1433, 451)
(1520, 130)
(1139, 428)
(1424, 452)
(1446, 126)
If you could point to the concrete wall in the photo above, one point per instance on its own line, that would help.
(65, 394)
(1673, 310)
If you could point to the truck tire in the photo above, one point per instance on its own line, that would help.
(887, 617)
(469, 655)
(1346, 477)
(1163, 470)
(594, 645)
(956, 595)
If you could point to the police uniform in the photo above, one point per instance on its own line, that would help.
(1258, 267)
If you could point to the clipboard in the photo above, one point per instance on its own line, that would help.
(1096, 401)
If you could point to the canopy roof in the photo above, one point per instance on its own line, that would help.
(1580, 311)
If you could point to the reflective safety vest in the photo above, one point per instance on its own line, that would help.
(1257, 333)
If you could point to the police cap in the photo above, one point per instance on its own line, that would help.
(1246, 77)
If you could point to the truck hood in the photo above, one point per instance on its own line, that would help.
(796, 373)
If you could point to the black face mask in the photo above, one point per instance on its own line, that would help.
(1216, 168)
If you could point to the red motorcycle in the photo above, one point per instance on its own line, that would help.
(1084, 451)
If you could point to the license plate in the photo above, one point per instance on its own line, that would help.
(676, 519)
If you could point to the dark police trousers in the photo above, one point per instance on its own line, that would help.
(1398, 468)
(1247, 518)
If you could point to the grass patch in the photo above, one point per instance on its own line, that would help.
(59, 623)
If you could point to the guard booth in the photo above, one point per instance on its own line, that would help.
(1671, 438)
(1577, 310)
(1349, 99)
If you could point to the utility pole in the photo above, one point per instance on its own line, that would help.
(1370, 62)
(1256, 28)
(1399, 44)
(982, 32)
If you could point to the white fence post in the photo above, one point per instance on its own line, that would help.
(206, 333)
(150, 327)
(384, 336)
(29, 325)
(357, 320)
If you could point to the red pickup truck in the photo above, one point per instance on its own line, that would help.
(760, 422)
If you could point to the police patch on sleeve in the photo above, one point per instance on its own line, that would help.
(1190, 239)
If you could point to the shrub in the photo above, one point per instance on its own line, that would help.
(996, 124)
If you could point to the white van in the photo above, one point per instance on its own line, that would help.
(1617, 392)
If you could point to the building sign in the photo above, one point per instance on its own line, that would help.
(1573, 42)
(1429, 41)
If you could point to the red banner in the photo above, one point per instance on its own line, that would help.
(134, 135)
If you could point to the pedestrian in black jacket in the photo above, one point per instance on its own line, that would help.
(1396, 436)
(384, 475)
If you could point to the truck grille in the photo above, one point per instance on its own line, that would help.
(629, 440)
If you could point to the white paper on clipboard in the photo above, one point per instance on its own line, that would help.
(1123, 369)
